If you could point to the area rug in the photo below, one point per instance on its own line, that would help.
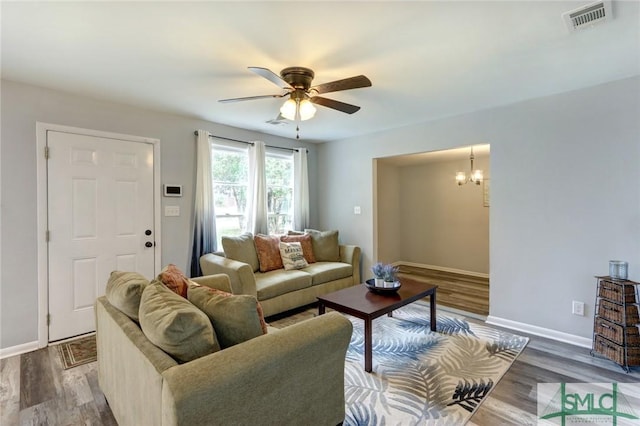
(77, 352)
(421, 377)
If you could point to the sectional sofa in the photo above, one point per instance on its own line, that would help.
(291, 376)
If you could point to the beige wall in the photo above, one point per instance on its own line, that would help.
(423, 217)
(387, 208)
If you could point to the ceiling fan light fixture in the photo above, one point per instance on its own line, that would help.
(306, 109)
(288, 109)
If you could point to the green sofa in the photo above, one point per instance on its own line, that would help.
(291, 376)
(281, 290)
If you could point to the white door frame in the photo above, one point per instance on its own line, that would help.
(42, 210)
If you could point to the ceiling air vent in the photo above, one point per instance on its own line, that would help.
(588, 15)
(276, 122)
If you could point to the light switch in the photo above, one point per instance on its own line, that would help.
(356, 210)
(172, 210)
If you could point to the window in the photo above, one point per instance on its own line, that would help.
(279, 174)
(230, 188)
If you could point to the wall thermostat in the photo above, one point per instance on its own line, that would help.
(173, 190)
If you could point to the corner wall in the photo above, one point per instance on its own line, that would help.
(387, 207)
(564, 195)
(24, 105)
(443, 224)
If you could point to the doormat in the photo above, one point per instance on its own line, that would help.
(78, 352)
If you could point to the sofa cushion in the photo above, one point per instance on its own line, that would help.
(325, 245)
(305, 242)
(292, 256)
(207, 282)
(242, 249)
(268, 252)
(173, 278)
(235, 318)
(175, 325)
(275, 283)
(124, 290)
(323, 272)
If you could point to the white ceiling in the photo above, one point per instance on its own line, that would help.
(426, 60)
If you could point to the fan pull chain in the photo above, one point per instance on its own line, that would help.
(297, 132)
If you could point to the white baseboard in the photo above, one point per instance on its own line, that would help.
(18, 349)
(541, 331)
(442, 268)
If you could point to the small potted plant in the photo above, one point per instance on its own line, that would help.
(378, 274)
(390, 275)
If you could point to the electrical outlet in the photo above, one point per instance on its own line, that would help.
(577, 308)
(357, 210)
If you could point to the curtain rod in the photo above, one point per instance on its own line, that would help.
(248, 143)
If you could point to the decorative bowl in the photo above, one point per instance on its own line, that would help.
(382, 290)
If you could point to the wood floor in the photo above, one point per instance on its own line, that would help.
(464, 292)
(35, 390)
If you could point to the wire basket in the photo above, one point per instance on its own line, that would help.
(617, 333)
(618, 291)
(616, 353)
(616, 313)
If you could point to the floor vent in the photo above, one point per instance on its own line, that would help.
(588, 15)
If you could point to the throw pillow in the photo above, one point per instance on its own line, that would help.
(305, 242)
(263, 323)
(175, 325)
(325, 245)
(235, 318)
(292, 256)
(174, 279)
(242, 249)
(268, 252)
(124, 290)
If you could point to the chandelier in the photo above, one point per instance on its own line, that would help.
(474, 176)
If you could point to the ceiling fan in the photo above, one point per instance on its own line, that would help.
(296, 82)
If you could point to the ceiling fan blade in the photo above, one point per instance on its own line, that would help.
(249, 98)
(345, 84)
(271, 76)
(337, 105)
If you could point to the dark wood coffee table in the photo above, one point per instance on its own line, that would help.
(367, 305)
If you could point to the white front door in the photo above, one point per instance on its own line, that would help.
(100, 217)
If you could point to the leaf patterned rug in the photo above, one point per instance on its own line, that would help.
(421, 377)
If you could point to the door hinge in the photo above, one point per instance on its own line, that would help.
(46, 152)
(48, 319)
(47, 235)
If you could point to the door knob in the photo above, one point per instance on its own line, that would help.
(147, 232)
(148, 244)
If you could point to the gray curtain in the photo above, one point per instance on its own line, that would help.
(204, 220)
(300, 190)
